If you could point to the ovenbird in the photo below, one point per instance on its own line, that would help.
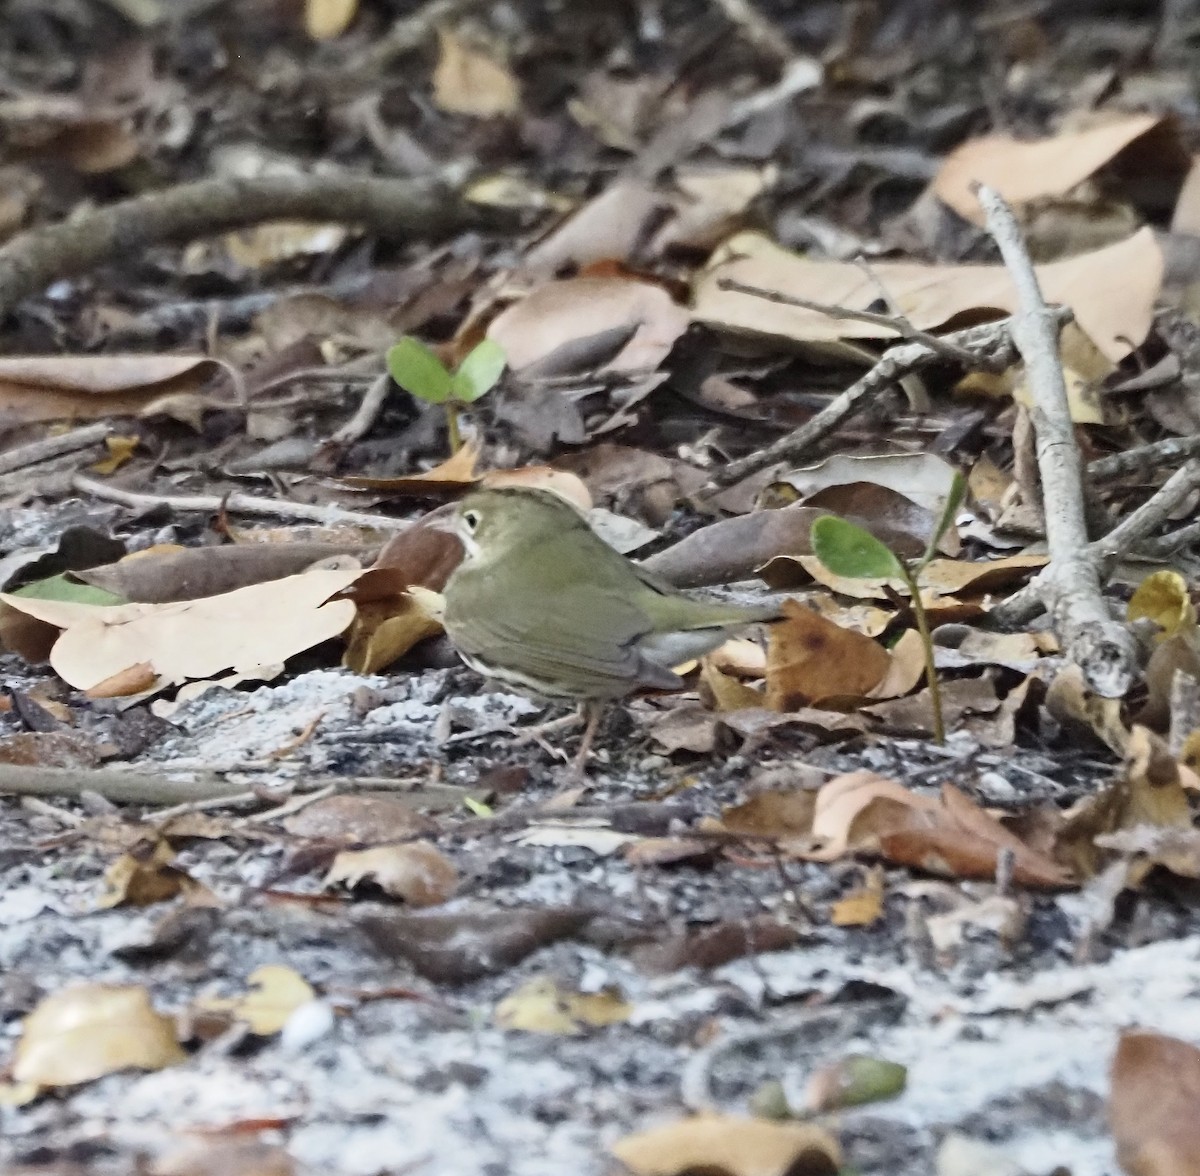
(542, 603)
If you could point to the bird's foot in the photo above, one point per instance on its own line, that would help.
(537, 734)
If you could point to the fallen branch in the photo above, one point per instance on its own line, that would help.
(1145, 458)
(1069, 586)
(32, 260)
(281, 508)
(990, 347)
(23, 456)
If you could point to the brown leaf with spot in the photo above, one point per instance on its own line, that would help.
(810, 659)
(1154, 1105)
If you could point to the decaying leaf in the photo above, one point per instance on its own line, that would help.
(145, 875)
(732, 1145)
(862, 906)
(541, 1005)
(854, 1080)
(1162, 597)
(361, 818)
(90, 1030)
(416, 872)
(1152, 1105)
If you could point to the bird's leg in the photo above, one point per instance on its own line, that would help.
(538, 732)
(594, 710)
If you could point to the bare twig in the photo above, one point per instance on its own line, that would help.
(757, 29)
(237, 504)
(364, 418)
(1173, 541)
(1070, 585)
(990, 346)
(1145, 458)
(897, 322)
(32, 260)
(121, 785)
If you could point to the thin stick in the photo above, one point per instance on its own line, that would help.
(236, 503)
(895, 322)
(1070, 586)
(365, 416)
(1145, 458)
(23, 456)
(990, 346)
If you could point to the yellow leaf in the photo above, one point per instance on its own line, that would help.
(120, 450)
(541, 1006)
(326, 19)
(1162, 597)
(276, 992)
(90, 1030)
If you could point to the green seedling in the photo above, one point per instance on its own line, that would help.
(850, 551)
(416, 369)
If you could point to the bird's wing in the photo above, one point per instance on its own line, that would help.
(595, 645)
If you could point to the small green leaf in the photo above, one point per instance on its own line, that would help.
(418, 371)
(478, 807)
(847, 550)
(60, 588)
(479, 372)
(958, 489)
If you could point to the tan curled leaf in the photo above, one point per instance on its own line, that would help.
(1163, 597)
(863, 905)
(1022, 170)
(90, 1030)
(580, 324)
(416, 872)
(244, 630)
(49, 387)
(730, 1144)
(1111, 290)
(143, 876)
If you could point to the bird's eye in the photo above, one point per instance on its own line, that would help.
(470, 520)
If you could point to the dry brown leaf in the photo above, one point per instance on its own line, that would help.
(923, 478)
(275, 993)
(144, 876)
(728, 1144)
(390, 615)
(246, 630)
(49, 387)
(710, 203)
(50, 749)
(810, 659)
(772, 813)
(361, 818)
(326, 19)
(1111, 290)
(839, 806)
(907, 667)
(467, 81)
(1080, 710)
(90, 1030)
(457, 472)
(416, 872)
(541, 1005)
(1152, 1105)
(1022, 170)
(580, 324)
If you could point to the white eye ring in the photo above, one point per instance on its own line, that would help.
(470, 519)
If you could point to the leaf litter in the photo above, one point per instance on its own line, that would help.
(749, 858)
